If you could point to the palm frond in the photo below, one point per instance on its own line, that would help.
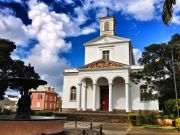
(167, 13)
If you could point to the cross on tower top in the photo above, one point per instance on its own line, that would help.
(108, 11)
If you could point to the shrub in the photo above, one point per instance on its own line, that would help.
(160, 122)
(43, 113)
(177, 122)
(167, 122)
(33, 112)
(135, 119)
(147, 119)
(140, 119)
(6, 111)
(170, 108)
(132, 119)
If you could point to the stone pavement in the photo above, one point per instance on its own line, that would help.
(138, 131)
(112, 129)
(107, 128)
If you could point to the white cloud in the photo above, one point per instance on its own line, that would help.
(9, 1)
(142, 10)
(48, 28)
(176, 17)
(69, 1)
(12, 28)
(6, 11)
(137, 54)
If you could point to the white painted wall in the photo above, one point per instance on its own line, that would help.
(137, 104)
(119, 52)
(69, 81)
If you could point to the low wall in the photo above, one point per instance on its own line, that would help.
(31, 127)
(95, 117)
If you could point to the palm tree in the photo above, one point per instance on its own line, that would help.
(167, 13)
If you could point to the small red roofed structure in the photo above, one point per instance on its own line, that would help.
(44, 98)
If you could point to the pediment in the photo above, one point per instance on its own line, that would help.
(105, 39)
(103, 64)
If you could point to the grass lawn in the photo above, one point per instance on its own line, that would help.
(155, 127)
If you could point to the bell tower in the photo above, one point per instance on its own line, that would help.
(107, 26)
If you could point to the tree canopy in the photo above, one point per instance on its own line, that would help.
(10, 68)
(157, 72)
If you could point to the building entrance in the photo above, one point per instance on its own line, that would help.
(104, 98)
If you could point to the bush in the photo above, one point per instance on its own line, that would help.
(167, 122)
(149, 119)
(159, 121)
(6, 112)
(132, 119)
(135, 119)
(33, 112)
(43, 113)
(177, 122)
(140, 120)
(170, 108)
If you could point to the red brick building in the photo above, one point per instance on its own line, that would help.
(44, 98)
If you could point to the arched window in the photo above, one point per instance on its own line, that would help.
(144, 96)
(106, 26)
(73, 93)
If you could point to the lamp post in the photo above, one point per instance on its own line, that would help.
(175, 86)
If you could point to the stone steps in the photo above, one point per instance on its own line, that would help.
(95, 117)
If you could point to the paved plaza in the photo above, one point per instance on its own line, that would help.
(72, 128)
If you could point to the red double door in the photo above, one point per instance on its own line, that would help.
(104, 98)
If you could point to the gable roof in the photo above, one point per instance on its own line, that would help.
(113, 39)
(103, 64)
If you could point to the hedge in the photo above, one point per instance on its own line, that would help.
(177, 122)
(136, 119)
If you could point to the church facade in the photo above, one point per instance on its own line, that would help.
(103, 83)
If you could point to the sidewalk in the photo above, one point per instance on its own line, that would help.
(113, 129)
(107, 128)
(138, 131)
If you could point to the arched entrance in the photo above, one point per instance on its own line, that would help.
(87, 85)
(103, 93)
(119, 97)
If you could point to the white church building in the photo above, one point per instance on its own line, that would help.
(103, 83)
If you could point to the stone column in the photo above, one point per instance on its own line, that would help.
(84, 97)
(127, 97)
(110, 98)
(94, 97)
(79, 97)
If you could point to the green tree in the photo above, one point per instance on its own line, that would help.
(167, 12)
(170, 107)
(157, 72)
(12, 68)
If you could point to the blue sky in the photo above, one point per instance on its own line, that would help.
(50, 33)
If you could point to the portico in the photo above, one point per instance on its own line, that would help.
(107, 92)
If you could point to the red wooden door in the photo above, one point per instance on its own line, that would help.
(104, 97)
